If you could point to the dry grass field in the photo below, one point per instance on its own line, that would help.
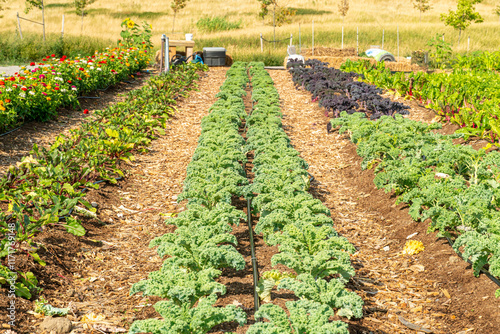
(372, 17)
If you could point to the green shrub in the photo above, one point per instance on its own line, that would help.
(216, 23)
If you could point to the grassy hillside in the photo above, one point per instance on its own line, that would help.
(370, 16)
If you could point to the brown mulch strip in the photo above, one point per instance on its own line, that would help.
(433, 289)
(94, 273)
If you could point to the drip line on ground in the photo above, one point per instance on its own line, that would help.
(6, 133)
(484, 271)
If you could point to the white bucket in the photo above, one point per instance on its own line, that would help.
(189, 37)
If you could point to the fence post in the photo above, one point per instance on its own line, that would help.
(342, 46)
(383, 37)
(300, 42)
(313, 39)
(19, 25)
(291, 37)
(357, 41)
(261, 44)
(398, 40)
(167, 55)
(468, 44)
(162, 50)
(62, 30)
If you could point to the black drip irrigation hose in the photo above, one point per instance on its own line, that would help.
(6, 133)
(252, 242)
(484, 271)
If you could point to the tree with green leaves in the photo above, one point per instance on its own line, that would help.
(343, 9)
(281, 14)
(176, 6)
(38, 4)
(463, 17)
(81, 6)
(497, 11)
(422, 6)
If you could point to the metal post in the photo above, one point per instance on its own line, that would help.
(357, 41)
(62, 30)
(19, 25)
(342, 46)
(43, 20)
(167, 56)
(300, 42)
(313, 40)
(398, 40)
(383, 37)
(291, 38)
(261, 44)
(254, 259)
(162, 51)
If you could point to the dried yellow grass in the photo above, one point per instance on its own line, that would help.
(370, 16)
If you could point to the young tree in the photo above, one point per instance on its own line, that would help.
(81, 6)
(463, 17)
(422, 6)
(343, 9)
(497, 11)
(281, 14)
(38, 4)
(176, 6)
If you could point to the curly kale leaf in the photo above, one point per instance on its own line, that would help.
(184, 320)
(180, 285)
(331, 293)
(305, 317)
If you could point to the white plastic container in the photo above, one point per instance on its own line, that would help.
(189, 37)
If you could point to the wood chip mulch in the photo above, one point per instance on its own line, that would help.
(433, 290)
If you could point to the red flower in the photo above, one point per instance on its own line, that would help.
(81, 69)
(79, 79)
(52, 55)
(7, 100)
(86, 111)
(69, 81)
(12, 79)
(32, 64)
(2, 83)
(24, 89)
(56, 88)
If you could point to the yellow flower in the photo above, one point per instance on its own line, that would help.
(130, 24)
(413, 247)
(48, 99)
(49, 87)
(2, 108)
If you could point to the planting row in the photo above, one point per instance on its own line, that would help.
(454, 186)
(202, 244)
(289, 217)
(339, 91)
(468, 97)
(46, 188)
(37, 93)
(299, 224)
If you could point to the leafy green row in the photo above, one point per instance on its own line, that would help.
(301, 225)
(202, 244)
(467, 97)
(455, 186)
(47, 185)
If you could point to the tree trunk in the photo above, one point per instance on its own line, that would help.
(43, 20)
(459, 34)
(274, 25)
(173, 23)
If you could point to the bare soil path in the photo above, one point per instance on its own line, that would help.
(434, 289)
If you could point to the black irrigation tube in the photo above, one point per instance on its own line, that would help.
(484, 271)
(255, 270)
(6, 133)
